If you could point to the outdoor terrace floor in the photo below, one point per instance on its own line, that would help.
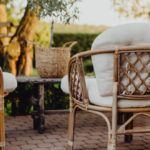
(91, 134)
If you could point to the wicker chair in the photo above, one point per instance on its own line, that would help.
(8, 83)
(2, 124)
(131, 86)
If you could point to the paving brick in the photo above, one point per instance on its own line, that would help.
(35, 141)
(45, 145)
(90, 134)
(41, 148)
(28, 146)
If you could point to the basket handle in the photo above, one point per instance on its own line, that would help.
(69, 44)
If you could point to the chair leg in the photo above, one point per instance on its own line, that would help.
(71, 128)
(112, 142)
(128, 138)
(2, 130)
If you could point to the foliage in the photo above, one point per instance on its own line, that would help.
(84, 40)
(133, 8)
(4, 1)
(15, 10)
(43, 33)
(64, 10)
(20, 101)
(58, 10)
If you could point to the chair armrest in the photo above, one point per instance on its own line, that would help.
(89, 53)
(77, 84)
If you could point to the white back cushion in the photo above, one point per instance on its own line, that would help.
(122, 35)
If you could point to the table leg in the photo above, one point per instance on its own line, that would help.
(35, 115)
(123, 117)
(41, 117)
(128, 138)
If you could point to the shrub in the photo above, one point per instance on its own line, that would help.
(84, 40)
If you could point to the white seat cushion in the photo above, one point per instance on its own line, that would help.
(64, 84)
(96, 99)
(10, 82)
(123, 35)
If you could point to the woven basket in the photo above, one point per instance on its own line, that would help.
(53, 62)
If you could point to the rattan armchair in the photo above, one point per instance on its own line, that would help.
(8, 83)
(2, 113)
(138, 93)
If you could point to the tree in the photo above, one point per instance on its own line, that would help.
(56, 10)
(133, 8)
(3, 19)
(3, 31)
(15, 51)
(19, 53)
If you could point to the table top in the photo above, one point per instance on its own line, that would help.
(34, 79)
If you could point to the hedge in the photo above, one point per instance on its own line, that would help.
(84, 40)
(84, 43)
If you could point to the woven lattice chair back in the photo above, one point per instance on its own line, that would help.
(134, 73)
(75, 81)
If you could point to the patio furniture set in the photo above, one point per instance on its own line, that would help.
(121, 62)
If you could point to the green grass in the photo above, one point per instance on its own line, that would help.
(74, 28)
(71, 28)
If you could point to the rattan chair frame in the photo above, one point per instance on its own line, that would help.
(79, 98)
(2, 113)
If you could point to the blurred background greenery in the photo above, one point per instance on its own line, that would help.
(23, 20)
(19, 102)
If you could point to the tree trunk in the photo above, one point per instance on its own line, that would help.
(24, 36)
(3, 30)
(51, 33)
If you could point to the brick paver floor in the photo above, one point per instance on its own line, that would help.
(91, 134)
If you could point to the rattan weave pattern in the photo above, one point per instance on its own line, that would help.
(76, 90)
(134, 73)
